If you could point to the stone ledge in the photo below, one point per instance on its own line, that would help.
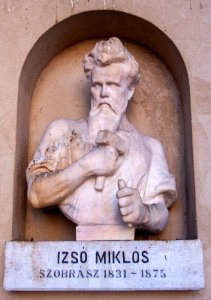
(104, 266)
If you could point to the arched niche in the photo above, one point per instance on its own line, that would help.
(82, 27)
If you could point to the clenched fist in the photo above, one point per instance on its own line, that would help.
(101, 161)
(133, 211)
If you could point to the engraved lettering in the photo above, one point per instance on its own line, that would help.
(74, 257)
(83, 257)
(42, 273)
(135, 257)
(124, 260)
(115, 257)
(100, 259)
(145, 258)
(96, 274)
(49, 273)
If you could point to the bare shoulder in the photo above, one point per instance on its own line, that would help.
(61, 127)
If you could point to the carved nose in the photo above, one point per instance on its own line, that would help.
(104, 91)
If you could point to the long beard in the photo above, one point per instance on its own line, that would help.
(101, 118)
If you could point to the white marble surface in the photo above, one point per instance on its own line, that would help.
(106, 266)
(105, 232)
(101, 170)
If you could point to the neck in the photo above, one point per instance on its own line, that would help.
(124, 123)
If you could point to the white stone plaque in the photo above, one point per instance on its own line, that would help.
(103, 266)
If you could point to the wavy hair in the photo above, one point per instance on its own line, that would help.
(110, 52)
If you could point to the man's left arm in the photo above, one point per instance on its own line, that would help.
(152, 217)
(146, 207)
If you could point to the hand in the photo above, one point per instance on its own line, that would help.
(101, 161)
(133, 211)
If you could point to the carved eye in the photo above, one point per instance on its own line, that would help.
(96, 84)
(113, 84)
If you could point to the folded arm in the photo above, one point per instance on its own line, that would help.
(46, 188)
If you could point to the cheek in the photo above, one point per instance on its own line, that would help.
(94, 91)
(123, 97)
(118, 94)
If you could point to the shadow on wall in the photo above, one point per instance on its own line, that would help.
(78, 28)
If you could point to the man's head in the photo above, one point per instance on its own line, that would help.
(112, 51)
(113, 74)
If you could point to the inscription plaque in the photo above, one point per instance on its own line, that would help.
(69, 266)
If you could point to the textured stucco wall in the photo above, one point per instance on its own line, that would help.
(188, 25)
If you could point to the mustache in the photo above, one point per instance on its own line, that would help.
(109, 104)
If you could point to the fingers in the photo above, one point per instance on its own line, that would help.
(125, 211)
(111, 152)
(124, 192)
(130, 204)
(124, 201)
(130, 219)
(121, 184)
(125, 195)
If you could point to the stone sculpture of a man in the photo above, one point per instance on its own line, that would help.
(104, 175)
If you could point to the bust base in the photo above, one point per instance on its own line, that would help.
(105, 233)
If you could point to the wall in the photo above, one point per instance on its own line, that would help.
(186, 23)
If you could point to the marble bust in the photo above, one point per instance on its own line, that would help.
(104, 175)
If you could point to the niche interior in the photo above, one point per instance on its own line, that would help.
(52, 85)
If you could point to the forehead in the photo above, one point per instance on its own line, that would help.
(113, 72)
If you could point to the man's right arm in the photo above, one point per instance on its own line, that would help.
(47, 188)
(51, 188)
